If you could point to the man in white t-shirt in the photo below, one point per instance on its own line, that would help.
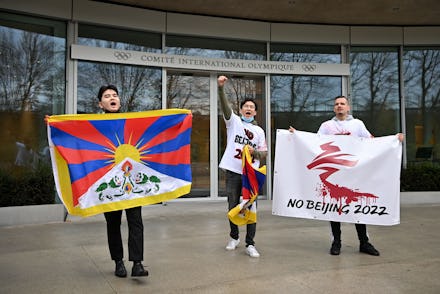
(344, 123)
(241, 130)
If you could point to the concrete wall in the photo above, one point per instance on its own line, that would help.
(424, 197)
(31, 214)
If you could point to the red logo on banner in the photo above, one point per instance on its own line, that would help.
(326, 161)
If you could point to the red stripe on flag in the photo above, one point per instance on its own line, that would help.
(135, 128)
(181, 156)
(76, 156)
(169, 134)
(81, 129)
(80, 186)
(249, 172)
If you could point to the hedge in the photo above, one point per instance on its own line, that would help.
(29, 186)
(424, 177)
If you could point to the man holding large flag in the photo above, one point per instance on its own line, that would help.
(108, 163)
(345, 124)
(241, 130)
(109, 102)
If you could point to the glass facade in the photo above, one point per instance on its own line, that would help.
(375, 88)
(32, 84)
(422, 103)
(33, 78)
(303, 101)
(191, 91)
(140, 88)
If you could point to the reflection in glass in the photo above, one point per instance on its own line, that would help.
(375, 89)
(303, 102)
(140, 88)
(422, 102)
(32, 78)
(192, 92)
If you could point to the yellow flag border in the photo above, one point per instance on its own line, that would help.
(122, 115)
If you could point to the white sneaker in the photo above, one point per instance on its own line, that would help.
(252, 251)
(232, 244)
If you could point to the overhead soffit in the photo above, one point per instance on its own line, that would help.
(336, 12)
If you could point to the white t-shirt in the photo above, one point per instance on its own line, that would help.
(349, 126)
(240, 133)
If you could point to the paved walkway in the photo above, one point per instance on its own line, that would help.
(184, 252)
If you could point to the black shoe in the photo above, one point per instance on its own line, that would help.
(120, 270)
(368, 249)
(336, 247)
(138, 270)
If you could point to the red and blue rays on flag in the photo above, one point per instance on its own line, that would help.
(252, 181)
(87, 147)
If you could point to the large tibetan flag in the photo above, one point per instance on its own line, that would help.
(252, 181)
(337, 178)
(114, 161)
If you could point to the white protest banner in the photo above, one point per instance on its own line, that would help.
(337, 178)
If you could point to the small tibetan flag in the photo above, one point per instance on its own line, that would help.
(252, 181)
(114, 161)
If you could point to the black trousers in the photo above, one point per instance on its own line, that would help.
(233, 190)
(361, 230)
(135, 234)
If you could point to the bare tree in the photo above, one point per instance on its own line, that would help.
(374, 83)
(139, 86)
(188, 91)
(27, 64)
(305, 93)
(422, 68)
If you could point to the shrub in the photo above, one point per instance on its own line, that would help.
(29, 186)
(424, 177)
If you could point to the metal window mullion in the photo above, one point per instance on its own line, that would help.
(71, 70)
(213, 136)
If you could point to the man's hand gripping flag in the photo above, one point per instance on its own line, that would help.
(252, 181)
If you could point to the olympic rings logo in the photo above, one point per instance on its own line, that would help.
(308, 67)
(121, 55)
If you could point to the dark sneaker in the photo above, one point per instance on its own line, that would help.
(336, 248)
(120, 270)
(368, 249)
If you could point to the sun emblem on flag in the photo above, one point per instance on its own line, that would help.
(130, 183)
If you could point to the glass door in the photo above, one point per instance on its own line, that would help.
(191, 91)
